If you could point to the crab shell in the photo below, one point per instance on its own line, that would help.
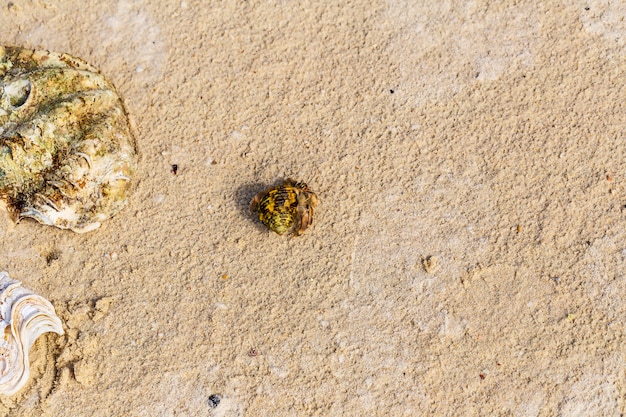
(282, 207)
(24, 316)
(67, 154)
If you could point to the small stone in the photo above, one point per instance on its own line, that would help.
(214, 400)
(430, 264)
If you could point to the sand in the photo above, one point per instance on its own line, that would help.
(468, 254)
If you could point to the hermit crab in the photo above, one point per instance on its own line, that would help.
(288, 205)
(67, 155)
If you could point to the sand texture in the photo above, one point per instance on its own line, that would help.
(468, 254)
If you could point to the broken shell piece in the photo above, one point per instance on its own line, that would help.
(24, 317)
(67, 154)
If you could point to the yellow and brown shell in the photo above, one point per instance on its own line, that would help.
(282, 207)
(67, 154)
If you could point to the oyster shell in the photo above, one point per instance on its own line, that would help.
(67, 154)
(24, 316)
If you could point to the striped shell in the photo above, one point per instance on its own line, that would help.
(24, 316)
(67, 154)
(289, 205)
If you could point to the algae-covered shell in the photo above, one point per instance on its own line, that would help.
(67, 154)
(24, 316)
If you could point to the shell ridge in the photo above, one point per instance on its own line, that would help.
(28, 316)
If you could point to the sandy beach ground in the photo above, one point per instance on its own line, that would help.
(468, 254)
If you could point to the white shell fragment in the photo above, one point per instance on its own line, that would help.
(24, 317)
(67, 154)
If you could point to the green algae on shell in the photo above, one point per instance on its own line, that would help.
(67, 154)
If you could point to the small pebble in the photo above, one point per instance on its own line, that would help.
(214, 400)
(430, 264)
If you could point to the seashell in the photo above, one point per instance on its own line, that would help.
(67, 154)
(24, 316)
(289, 205)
